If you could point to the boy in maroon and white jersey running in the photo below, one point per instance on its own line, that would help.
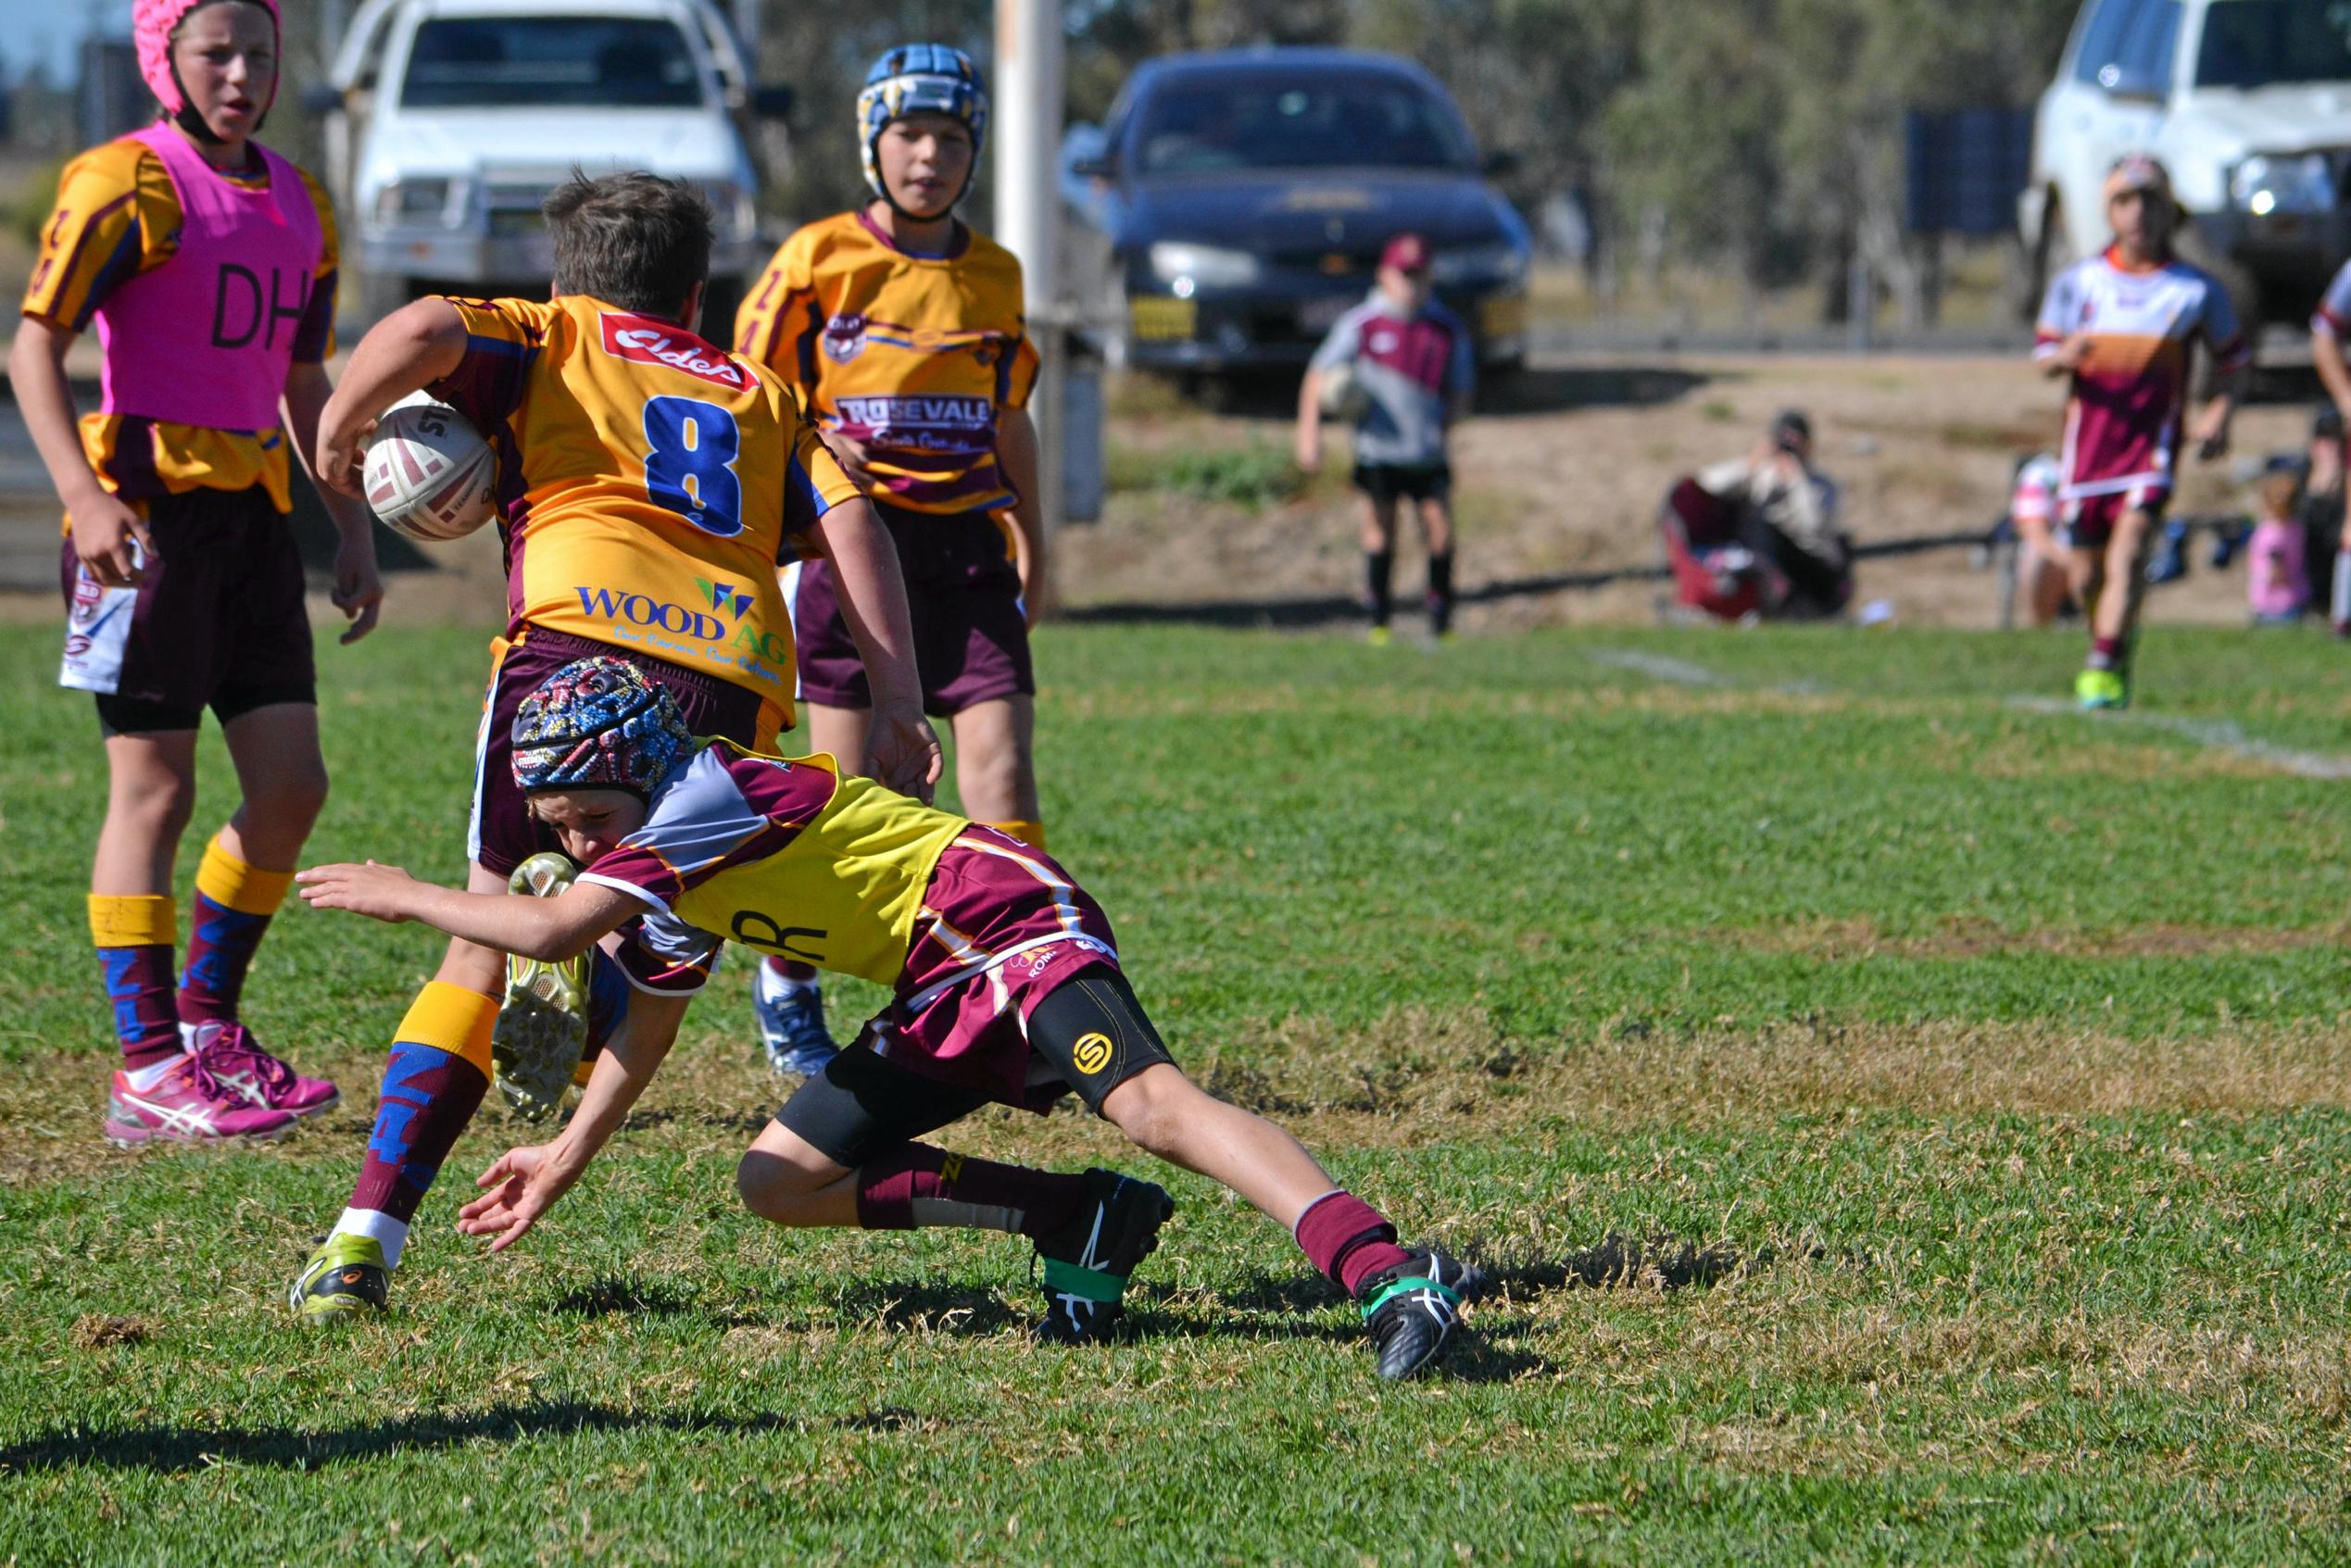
(2122, 325)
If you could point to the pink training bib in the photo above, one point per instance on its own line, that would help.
(205, 339)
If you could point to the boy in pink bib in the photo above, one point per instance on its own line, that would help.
(207, 263)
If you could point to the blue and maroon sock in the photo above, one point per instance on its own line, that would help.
(134, 937)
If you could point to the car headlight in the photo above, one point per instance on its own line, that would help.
(412, 202)
(2300, 182)
(1499, 263)
(1203, 266)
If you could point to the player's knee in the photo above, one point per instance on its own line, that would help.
(1154, 1109)
(162, 804)
(293, 795)
(771, 1187)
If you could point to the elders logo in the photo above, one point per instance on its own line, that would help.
(844, 337)
(647, 342)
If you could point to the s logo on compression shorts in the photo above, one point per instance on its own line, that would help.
(1092, 1053)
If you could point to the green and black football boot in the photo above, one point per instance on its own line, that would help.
(344, 1277)
(1086, 1260)
(1411, 1309)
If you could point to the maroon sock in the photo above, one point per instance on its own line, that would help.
(221, 942)
(428, 1097)
(146, 1019)
(791, 969)
(2105, 652)
(1347, 1238)
(918, 1185)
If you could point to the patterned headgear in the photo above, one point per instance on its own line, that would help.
(919, 79)
(598, 723)
(152, 24)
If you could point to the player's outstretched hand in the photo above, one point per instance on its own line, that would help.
(379, 892)
(358, 591)
(523, 1186)
(901, 750)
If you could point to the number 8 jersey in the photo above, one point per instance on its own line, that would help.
(646, 482)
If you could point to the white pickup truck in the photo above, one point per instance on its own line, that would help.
(2247, 102)
(448, 121)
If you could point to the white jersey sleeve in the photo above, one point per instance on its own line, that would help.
(2332, 319)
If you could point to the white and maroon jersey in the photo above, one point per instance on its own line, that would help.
(1413, 369)
(2332, 318)
(2123, 416)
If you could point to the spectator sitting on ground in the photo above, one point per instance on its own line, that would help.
(1788, 519)
(2276, 589)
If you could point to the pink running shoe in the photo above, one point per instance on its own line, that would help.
(187, 1105)
(239, 1065)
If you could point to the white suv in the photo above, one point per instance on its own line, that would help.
(450, 119)
(2247, 102)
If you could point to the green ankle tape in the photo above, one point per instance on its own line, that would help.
(1068, 1279)
(1399, 1288)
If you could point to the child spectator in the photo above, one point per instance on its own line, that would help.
(1416, 366)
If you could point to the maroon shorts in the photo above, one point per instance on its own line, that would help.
(1002, 927)
(217, 622)
(971, 640)
(2089, 519)
(503, 834)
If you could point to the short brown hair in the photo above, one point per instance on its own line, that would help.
(633, 240)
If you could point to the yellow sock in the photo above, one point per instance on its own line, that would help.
(1030, 833)
(452, 1019)
(232, 885)
(133, 919)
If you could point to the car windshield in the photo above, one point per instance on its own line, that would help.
(2250, 43)
(550, 62)
(1257, 121)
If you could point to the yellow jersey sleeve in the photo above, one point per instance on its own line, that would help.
(116, 217)
(314, 343)
(503, 340)
(819, 483)
(781, 318)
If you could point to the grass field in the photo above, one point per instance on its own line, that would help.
(1904, 1122)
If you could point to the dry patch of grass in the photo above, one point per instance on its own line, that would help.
(1414, 1078)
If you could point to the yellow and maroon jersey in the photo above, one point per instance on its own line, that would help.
(913, 356)
(646, 482)
(2124, 412)
(118, 216)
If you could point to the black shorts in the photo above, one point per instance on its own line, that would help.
(217, 623)
(1414, 481)
(1089, 1036)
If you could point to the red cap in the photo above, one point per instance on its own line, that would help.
(1406, 253)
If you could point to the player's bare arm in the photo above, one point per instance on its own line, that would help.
(2334, 373)
(1310, 421)
(2068, 356)
(104, 526)
(523, 1184)
(1016, 449)
(406, 352)
(901, 749)
(551, 929)
(2212, 430)
(359, 590)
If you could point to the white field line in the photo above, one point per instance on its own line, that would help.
(2218, 734)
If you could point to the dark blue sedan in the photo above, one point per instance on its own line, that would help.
(1246, 194)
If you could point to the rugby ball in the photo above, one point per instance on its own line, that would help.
(1343, 396)
(429, 475)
